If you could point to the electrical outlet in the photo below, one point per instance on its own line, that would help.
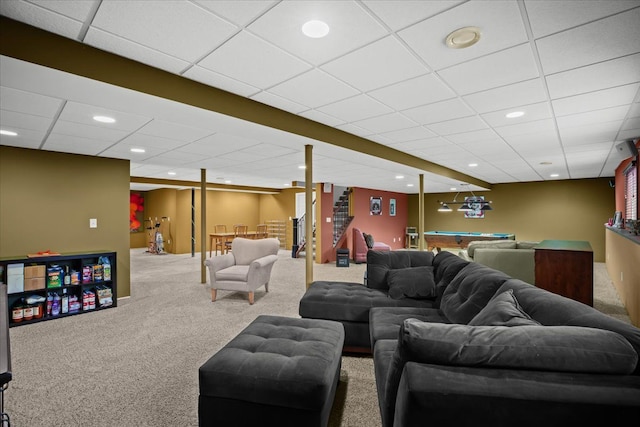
(93, 222)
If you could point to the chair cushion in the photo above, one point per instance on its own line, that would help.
(234, 273)
(412, 282)
(503, 310)
(368, 238)
(247, 250)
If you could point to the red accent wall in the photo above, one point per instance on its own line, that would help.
(620, 182)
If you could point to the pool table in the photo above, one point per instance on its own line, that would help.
(461, 239)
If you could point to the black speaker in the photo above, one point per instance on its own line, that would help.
(627, 149)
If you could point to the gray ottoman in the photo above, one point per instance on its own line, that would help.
(278, 371)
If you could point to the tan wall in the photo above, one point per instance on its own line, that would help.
(622, 265)
(281, 207)
(160, 208)
(562, 210)
(47, 198)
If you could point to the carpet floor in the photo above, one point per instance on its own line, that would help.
(137, 364)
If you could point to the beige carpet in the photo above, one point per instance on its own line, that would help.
(137, 364)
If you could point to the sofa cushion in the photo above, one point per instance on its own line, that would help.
(503, 310)
(446, 266)
(525, 244)
(368, 239)
(545, 348)
(412, 282)
(470, 291)
(495, 244)
(380, 262)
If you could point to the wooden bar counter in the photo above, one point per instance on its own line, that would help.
(565, 267)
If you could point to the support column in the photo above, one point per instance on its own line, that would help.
(308, 208)
(421, 214)
(203, 225)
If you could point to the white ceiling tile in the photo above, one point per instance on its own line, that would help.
(179, 29)
(279, 102)
(28, 102)
(120, 46)
(356, 108)
(11, 120)
(634, 110)
(240, 13)
(631, 123)
(217, 144)
(26, 138)
(616, 72)
(524, 128)
(473, 136)
(589, 134)
(320, 117)
(533, 112)
(595, 42)
(410, 12)
(83, 113)
(156, 143)
(42, 18)
(87, 131)
(466, 124)
(353, 129)
(500, 24)
(498, 69)
(598, 116)
(386, 123)
(350, 27)
(313, 89)
(622, 95)
(543, 141)
(175, 131)
(521, 93)
(379, 64)
(411, 93)
(259, 64)
(629, 133)
(76, 144)
(175, 157)
(550, 16)
(79, 10)
(439, 111)
(214, 79)
(409, 134)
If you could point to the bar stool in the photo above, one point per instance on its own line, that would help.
(219, 228)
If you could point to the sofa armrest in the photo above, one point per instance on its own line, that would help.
(517, 263)
(467, 395)
(260, 271)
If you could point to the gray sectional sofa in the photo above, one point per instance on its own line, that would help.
(516, 258)
(470, 345)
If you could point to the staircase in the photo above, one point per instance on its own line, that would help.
(341, 217)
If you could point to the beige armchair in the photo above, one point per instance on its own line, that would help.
(246, 268)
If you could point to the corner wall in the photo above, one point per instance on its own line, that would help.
(47, 198)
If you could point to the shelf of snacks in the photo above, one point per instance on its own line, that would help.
(50, 286)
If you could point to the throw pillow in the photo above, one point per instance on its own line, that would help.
(503, 310)
(414, 282)
(368, 238)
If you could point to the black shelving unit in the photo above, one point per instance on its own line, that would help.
(74, 262)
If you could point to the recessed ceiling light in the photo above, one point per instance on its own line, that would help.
(171, 173)
(8, 132)
(227, 181)
(514, 114)
(286, 184)
(463, 38)
(554, 175)
(399, 176)
(138, 150)
(104, 119)
(315, 29)
(302, 167)
(453, 189)
(409, 185)
(473, 165)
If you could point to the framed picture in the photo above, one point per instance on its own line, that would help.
(392, 207)
(375, 206)
(475, 203)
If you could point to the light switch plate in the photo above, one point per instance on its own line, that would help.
(93, 222)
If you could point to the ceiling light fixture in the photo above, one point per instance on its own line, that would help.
(171, 173)
(463, 38)
(470, 203)
(514, 114)
(8, 132)
(302, 167)
(315, 29)
(399, 176)
(104, 119)
(409, 185)
(138, 150)
(554, 175)
(473, 165)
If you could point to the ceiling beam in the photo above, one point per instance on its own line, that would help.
(31, 44)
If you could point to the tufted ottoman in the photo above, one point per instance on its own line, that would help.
(349, 303)
(278, 371)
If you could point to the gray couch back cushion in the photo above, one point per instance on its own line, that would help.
(380, 262)
(555, 310)
(470, 291)
(494, 244)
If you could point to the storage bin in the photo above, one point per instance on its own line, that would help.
(342, 258)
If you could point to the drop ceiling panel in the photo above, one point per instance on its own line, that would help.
(623, 95)
(439, 111)
(253, 61)
(77, 112)
(498, 69)
(240, 13)
(86, 131)
(44, 18)
(533, 112)
(500, 23)
(129, 49)
(279, 102)
(220, 81)
(597, 132)
(350, 28)
(26, 138)
(513, 95)
(320, 117)
(356, 108)
(616, 72)
(386, 123)
(175, 131)
(379, 64)
(76, 144)
(600, 116)
(524, 128)
(22, 101)
(599, 41)
(410, 12)
(14, 121)
(450, 127)
(179, 29)
(313, 89)
(473, 136)
(409, 134)
(414, 92)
